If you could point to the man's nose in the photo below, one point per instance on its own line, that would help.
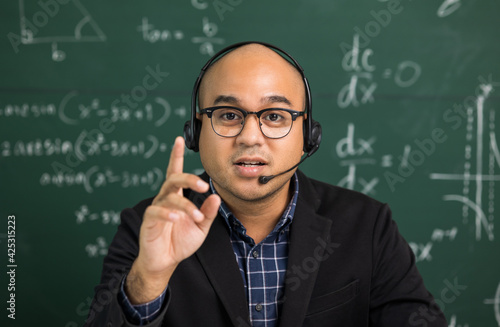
(251, 132)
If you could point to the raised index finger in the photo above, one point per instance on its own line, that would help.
(176, 163)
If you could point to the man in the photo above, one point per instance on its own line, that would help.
(253, 242)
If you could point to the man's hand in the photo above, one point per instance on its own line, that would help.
(172, 230)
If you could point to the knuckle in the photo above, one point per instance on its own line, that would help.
(170, 200)
(192, 179)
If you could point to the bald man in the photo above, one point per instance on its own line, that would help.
(225, 249)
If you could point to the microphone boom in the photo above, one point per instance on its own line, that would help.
(266, 179)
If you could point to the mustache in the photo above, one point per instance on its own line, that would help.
(251, 153)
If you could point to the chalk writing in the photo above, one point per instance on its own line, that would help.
(361, 87)
(30, 28)
(152, 35)
(97, 249)
(85, 146)
(207, 42)
(72, 111)
(439, 235)
(495, 301)
(25, 110)
(448, 7)
(157, 111)
(356, 151)
(484, 220)
(200, 5)
(422, 251)
(95, 177)
(106, 217)
(453, 322)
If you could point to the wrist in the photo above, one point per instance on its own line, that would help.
(143, 287)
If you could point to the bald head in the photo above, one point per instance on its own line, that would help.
(254, 62)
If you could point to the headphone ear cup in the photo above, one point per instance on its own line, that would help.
(188, 135)
(312, 138)
(192, 136)
(316, 134)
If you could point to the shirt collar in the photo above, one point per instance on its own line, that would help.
(236, 226)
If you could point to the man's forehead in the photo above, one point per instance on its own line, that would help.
(247, 57)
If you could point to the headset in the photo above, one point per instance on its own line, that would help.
(311, 128)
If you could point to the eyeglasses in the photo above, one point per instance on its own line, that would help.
(229, 121)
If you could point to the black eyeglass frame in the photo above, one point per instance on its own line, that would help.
(294, 113)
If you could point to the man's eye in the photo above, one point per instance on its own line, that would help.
(229, 116)
(274, 117)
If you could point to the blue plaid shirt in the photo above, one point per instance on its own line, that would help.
(143, 313)
(262, 267)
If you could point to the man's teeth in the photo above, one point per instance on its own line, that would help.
(250, 164)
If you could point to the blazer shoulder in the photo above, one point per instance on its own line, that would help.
(131, 217)
(335, 201)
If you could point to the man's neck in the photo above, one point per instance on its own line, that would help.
(260, 217)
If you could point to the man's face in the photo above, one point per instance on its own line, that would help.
(252, 78)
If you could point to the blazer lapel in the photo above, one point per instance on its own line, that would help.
(217, 258)
(308, 235)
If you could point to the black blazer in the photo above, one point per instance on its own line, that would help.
(348, 266)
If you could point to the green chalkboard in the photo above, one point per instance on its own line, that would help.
(93, 93)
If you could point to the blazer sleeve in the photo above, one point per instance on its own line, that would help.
(106, 309)
(398, 294)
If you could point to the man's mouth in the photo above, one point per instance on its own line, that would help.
(250, 163)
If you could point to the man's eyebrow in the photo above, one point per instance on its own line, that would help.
(228, 99)
(275, 99)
